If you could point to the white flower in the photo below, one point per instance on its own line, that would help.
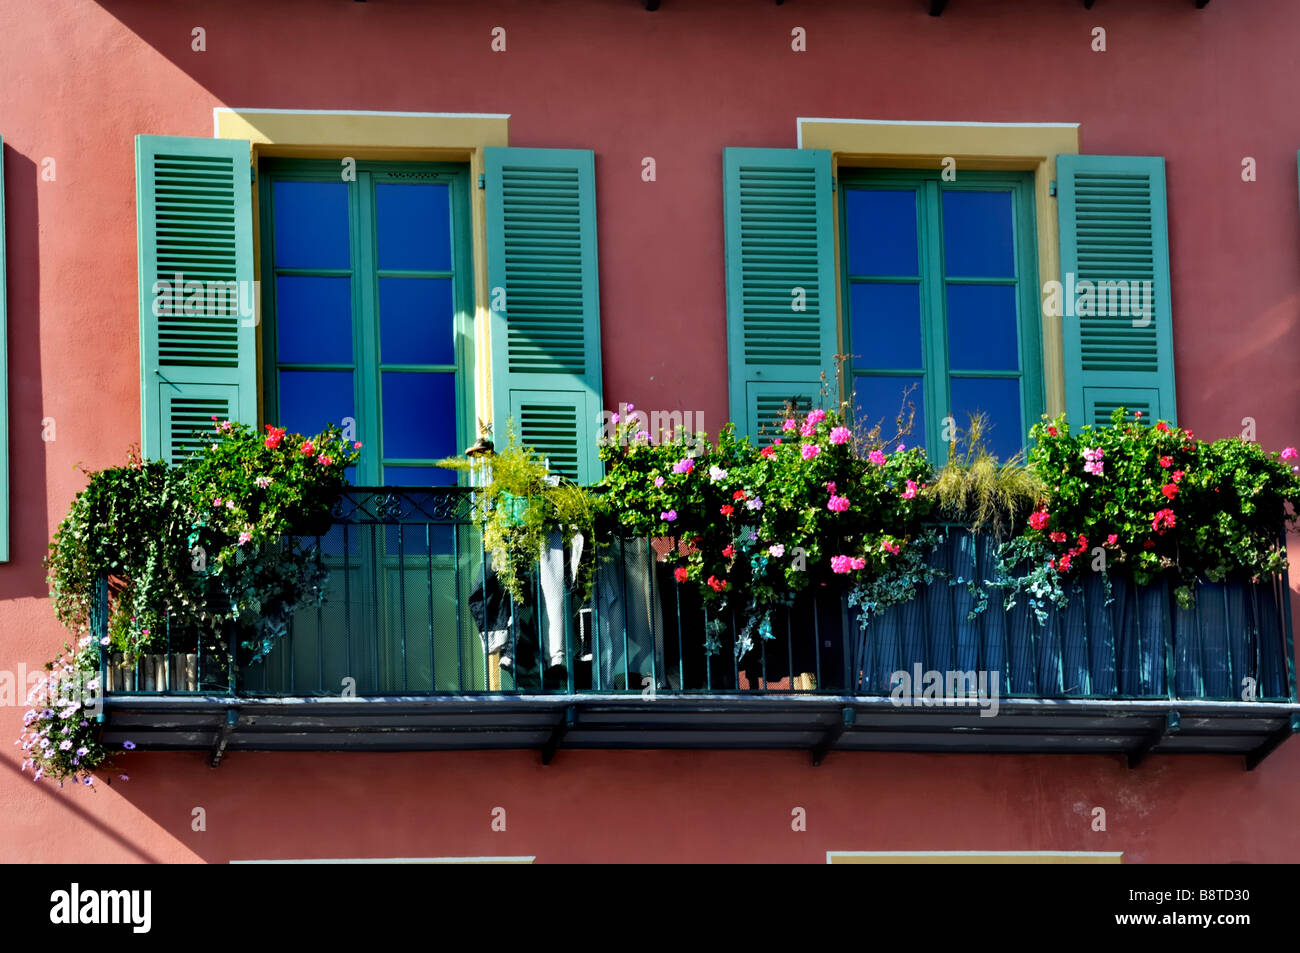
(716, 473)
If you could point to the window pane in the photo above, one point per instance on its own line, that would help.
(414, 225)
(311, 224)
(886, 326)
(999, 399)
(982, 328)
(977, 235)
(419, 415)
(879, 399)
(419, 541)
(311, 399)
(419, 476)
(416, 321)
(313, 320)
(881, 231)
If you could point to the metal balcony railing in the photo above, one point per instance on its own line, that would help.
(411, 609)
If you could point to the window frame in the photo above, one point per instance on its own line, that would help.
(363, 257)
(930, 186)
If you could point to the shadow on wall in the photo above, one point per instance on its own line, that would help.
(23, 575)
(80, 813)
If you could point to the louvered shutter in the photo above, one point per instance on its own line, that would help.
(1114, 235)
(198, 350)
(4, 378)
(781, 326)
(545, 303)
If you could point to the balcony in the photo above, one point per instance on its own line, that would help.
(393, 660)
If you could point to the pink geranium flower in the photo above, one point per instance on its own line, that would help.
(1163, 520)
(809, 450)
(838, 504)
(876, 457)
(840, 435)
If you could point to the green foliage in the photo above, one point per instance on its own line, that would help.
(1155, 501)
(751, 526)
(195, 546)
(975, 489)
(131, 522)
(519, 505)
(192, 552)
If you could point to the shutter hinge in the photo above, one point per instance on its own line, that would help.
(1051, 187)
(482, 181)
(252, 175)
(834, 184)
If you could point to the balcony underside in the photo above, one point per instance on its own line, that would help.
(817, 724)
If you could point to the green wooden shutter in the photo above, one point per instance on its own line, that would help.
(1114, 229)
(198, 352)
(4, 378)
(544, 299)
(781, 326)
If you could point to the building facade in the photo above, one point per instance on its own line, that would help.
(692, 210)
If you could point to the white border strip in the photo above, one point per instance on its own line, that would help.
(800, 120)
(217, 110)
(972, 853)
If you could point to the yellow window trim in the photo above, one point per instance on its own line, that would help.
(875, 143)
(370, 134)
(974, 857)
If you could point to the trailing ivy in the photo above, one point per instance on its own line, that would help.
(193, 553)
(519, 504)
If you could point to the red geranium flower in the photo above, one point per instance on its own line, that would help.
(729, 551)
(727, 509)
(681, 573)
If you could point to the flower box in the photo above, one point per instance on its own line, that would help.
(178, 672)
